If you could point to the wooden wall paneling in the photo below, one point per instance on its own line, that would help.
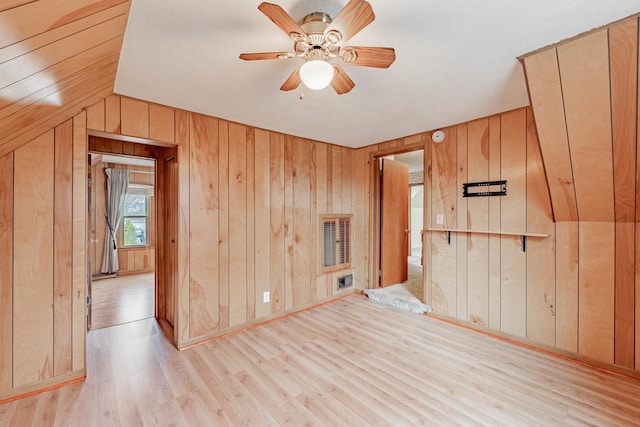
(182, 326)
(567, 254)
(543, 78)
(314, 237)
(19, 48)
(170, 238)
(513, 217)
(112, 114)
(134, 116)
(345, 180)
(495, 174)
(6, 271)
(203, 210)
(624, 295)
(159, 237)
(541, 278)
(478, 219)
(358, 207)
(8, 4)
(36, 15)
(302, 228)
(262, 193)
(223, 225)
(426, 237)
(596, 279)
(637, 299)
(461, 222)
(623, 57)
(251, 298)
(336, 179)
(62, 247)
(237, 224)
(62, 50)
(72, 95)
(276, 218)
(288, 222)
(584, 67)
(321, 197)
(161, 123)
(33, 262)
(96, 116)
(41, 87)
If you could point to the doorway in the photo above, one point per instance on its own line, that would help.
(126, 293)
(145, 238)
(399, 217)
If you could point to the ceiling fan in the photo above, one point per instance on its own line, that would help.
(319, 40)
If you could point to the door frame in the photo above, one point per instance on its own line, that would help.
(374, 212)
(160, 152)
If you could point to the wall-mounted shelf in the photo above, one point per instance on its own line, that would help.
(523, 236)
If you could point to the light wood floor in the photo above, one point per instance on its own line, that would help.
(350, 362)
(121, 299)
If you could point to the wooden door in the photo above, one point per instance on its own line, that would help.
(394, 222)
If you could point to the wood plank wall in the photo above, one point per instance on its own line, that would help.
(56, 57)
(250, 202)
(584, 93)
(43, 259)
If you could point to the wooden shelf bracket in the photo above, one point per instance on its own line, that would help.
(523, 236)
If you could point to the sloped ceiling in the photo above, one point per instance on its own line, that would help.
(56, 57)
(456, 61)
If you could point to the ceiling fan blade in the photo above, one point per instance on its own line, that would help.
(265, 55)
(378, 57)
(282, 19)
(356, 15)
(293, 81)
(341, 82)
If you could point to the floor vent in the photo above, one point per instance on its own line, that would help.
(345, 281)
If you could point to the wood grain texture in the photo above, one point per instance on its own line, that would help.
(238, 238)
(112, 114)
(388, 368)
(461, 220)
(478, 219)
(62, 248)
(596, 281)
(623, 58)
(37, 15)
(161, 123)
(223, 226)
(262, 197)
(276, 220)
(6, 271)
(541, 259)
(567, 289)
(96, 116)
(495, 174)
(134, 116)
(288, 222)
(251, 299)
(513, 208)
(323, 286)
(543, 77)
(584, 68)
(183, 325)
(33, 262)
(203, 210)
(624, 296)
(79, 245)
(302, 223)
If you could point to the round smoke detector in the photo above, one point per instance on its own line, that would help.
(438, 136)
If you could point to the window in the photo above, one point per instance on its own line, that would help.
(336, 232)
(135, 219)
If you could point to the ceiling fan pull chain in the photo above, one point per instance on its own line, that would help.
(301, 94)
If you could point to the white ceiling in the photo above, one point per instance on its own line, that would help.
(455, 61)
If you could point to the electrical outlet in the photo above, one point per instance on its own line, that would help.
(266, 296)
(440, 219)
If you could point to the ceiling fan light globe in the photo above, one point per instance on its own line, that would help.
(316, 74)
